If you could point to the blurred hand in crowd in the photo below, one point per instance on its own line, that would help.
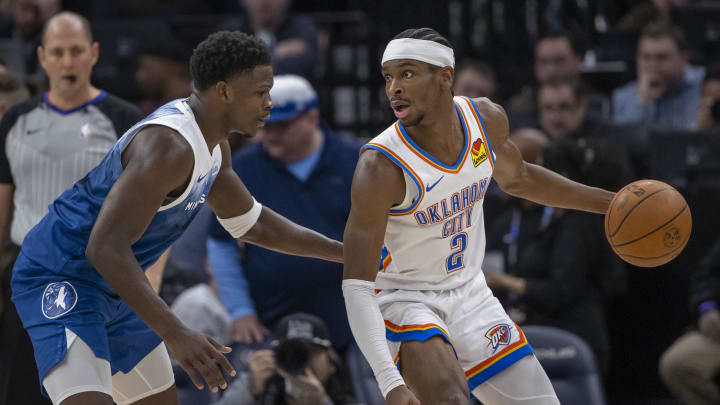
(262, 367)
(709, 324)
(248, 329)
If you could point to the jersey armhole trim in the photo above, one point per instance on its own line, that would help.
(479, 120)
(416, 179)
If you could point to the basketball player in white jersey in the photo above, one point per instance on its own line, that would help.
(428, 324)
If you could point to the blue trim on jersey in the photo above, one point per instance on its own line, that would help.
(59, 110)
(487, 135)
(419, 335)
(408, 171)
(499, 366)
(463, 154)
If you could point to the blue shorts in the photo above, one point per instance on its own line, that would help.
(48, 303)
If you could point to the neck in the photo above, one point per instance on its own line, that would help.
(70, 99)
(208, 120)
(433, 130)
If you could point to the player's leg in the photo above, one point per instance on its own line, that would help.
(81, 378)
(432, 372)
(151, 381)
(523, 383)
(690, 368)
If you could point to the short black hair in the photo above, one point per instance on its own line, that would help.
(579, 89)
(225, 54)
(576, 42)
(428, 34)
(661, 29)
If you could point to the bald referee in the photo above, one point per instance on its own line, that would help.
(46, 145)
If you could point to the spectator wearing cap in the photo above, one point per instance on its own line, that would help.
(302, 171)
(301, 368)
(163, 73)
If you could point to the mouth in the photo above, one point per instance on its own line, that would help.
(261, 121)
(70, 78)
(400, 108)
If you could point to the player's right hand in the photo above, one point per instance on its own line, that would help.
(401, 395)
(248, 329)
(199, 354)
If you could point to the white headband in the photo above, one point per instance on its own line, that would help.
(419, 49)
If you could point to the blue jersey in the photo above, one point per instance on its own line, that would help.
(58, 242)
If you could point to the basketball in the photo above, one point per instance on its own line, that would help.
(648, 223)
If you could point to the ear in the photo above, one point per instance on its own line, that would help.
(447, 77)
(95, 52)
(41, 55)
(225, 92)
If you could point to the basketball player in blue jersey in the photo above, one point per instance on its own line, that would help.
(428, 324)
(96, 324)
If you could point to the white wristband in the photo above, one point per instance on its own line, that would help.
(368, 328)
(239, 225)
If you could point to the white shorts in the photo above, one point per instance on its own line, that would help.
(468, 317)
(81, 371)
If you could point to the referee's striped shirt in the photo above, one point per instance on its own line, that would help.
(44, 150)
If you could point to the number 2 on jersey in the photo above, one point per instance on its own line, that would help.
(456, 260)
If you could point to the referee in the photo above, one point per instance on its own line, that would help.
(46, 144)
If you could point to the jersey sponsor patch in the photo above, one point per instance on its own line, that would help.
(499, 335)
(478, 152)
(58, 299)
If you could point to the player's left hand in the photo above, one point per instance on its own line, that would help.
(199, 354)
(709, 324)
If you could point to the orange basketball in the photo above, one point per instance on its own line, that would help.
(648, 223)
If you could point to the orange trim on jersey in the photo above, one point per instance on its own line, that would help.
(422, 156)
(409, 328)
(482, 131)
(498, 356)
(410, 171)
(386, 262)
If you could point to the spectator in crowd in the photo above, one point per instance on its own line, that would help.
(667, 90)
(163, 73)
(554, 260)
(12, 92)
(46, 144)
(292, 38)
(302, 368)
(691, 366)
(708, 115)
(299, 159)
(563, 106)
(474, 79)
(558, 56)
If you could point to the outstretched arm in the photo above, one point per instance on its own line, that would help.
(532, 182)
(157, 161)
(230, 199)
(377, 186)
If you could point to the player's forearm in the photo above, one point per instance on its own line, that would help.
(275, 232)
(123, 273)
(549, 188)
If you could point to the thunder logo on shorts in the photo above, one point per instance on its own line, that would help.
(499, 335)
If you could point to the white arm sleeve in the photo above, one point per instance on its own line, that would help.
(239, 225)
(368, 328)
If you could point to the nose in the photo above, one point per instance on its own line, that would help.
(269, 104)
(394, 87)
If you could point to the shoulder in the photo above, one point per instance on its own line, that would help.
(160, 145)
(16, 111)
(625, 92)
(114, 103)
(494, 119)
(342, 146)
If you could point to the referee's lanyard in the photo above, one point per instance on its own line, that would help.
(511, 238)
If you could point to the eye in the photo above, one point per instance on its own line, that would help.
(407, 74)
(387, 77)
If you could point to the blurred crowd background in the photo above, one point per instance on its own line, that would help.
(602, 91)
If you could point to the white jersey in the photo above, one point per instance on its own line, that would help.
(435, 239)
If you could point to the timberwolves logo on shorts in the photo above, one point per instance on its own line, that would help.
(58, 299)
(499, 335)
